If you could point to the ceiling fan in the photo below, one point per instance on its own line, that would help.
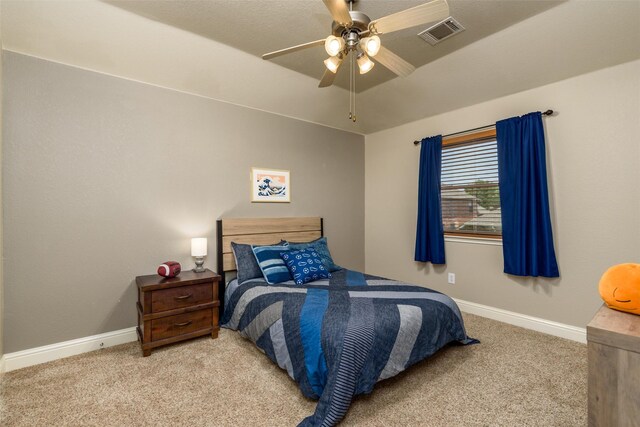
(353, 32)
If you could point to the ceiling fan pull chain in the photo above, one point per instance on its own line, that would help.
(354, 89)
(351, 87)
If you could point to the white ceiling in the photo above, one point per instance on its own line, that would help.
(261, 26)
(573, 38)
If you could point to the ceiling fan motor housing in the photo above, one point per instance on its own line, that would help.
(360, 24)
(352, 39)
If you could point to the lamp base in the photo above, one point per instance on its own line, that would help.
(199, 268)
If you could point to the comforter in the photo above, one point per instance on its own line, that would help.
(338, 337)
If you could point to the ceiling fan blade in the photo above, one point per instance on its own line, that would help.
(292, 49)
(435, 10)
(328, 77)
(339, 11)
(394, 62)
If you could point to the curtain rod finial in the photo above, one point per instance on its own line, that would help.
(416, 142)
(548, 113)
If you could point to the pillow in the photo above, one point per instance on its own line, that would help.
(305, 265)
(321, 247)
(247, 267)
(272, 265)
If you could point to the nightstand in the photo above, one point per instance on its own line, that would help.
(177, 308)
(613, 352)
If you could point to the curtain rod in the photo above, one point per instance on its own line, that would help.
(546, 113)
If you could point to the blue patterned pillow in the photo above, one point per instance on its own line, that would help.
(271, 264)
(246, 266)
(321, 247)
(305, 266)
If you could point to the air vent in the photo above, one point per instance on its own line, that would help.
(441, 31)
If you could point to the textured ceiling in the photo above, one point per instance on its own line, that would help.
(261, 26)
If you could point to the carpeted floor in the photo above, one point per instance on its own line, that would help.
(516, 377)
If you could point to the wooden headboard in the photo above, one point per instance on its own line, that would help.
(260, 231)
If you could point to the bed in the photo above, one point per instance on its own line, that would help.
(335, 337)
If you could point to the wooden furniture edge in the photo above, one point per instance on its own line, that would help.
(619, 338)
(177, 311)
(178, 338)
(175, 284)
(239, 226)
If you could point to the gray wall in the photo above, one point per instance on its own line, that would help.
(593, 156)
(1, 229)
(106, 178)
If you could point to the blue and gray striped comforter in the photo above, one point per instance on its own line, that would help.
(336, 338)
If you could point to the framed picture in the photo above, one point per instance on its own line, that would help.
(270, 185)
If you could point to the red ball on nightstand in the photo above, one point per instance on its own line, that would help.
(169, 269)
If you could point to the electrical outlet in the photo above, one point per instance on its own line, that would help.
(452, 278)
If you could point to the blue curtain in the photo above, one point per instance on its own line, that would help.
(430, 233)
(527, 239)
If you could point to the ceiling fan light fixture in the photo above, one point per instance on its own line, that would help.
(333, 45)
(333, 63)
(371, 45)
(364, 63)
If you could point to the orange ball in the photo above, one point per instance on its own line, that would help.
(620, 287)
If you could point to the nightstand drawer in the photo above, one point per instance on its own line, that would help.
(183, 296)
(171, 326)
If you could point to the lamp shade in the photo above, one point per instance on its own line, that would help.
(371, 45)
(364, 63)
(333, 63)
(333, 45)
(199, 246)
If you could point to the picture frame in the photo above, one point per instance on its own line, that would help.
(270, 185)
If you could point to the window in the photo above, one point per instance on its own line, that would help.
(470, 193)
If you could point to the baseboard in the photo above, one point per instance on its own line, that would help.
(561, 330)
(47, 353)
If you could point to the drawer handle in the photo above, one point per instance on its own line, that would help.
(184, 296)
(182, 324)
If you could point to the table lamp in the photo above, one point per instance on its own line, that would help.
(199, 251)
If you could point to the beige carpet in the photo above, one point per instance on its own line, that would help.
(515, 377)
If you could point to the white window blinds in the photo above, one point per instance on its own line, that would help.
(470, 194)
